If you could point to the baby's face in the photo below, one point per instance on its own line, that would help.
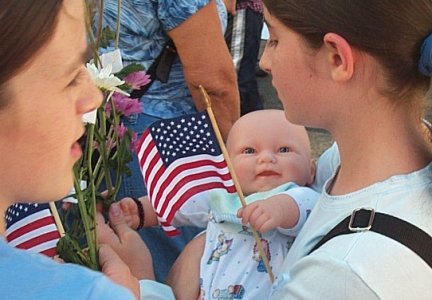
(267, 152)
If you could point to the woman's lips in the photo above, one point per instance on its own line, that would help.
(76, 150)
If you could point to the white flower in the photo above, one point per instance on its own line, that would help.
(104, 79)
(90, 117)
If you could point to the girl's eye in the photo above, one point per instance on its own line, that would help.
(284, 149)
(272, 43)
(249, 150)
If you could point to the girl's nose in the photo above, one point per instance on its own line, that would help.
(90, 97)
(264, 62)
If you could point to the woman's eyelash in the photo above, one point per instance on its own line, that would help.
(77, 78)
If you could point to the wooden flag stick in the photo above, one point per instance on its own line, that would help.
(234, 178)
(57, 220)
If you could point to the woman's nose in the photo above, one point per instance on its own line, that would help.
(90, 97)
(264, 62)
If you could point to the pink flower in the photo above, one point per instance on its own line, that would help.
(121, 130)
(137, 79)
(123, 105)
(110, 144)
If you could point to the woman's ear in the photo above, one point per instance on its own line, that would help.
(339, 57)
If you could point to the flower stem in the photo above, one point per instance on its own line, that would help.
(100, 20)
(88, 213)
(117, 37)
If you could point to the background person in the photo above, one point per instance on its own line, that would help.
(243, 37)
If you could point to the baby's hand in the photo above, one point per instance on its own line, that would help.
(265, 215)
(130, 212)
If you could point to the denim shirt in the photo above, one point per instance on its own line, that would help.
(144, 26)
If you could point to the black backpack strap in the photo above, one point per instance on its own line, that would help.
(365, 219)
(159, 69)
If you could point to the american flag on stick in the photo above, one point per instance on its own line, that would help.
(179, 159)
(31, 226)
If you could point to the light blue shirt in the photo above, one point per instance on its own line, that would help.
(363, 265)
(144, 27)
(26, 275)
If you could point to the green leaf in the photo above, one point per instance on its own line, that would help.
(70, 251)
(129, 69)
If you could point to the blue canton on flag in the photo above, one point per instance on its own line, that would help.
(31, 226)
(180, 158)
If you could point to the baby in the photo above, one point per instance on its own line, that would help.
(272, 160)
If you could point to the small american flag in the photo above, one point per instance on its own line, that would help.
(179, 159)
(31, 226)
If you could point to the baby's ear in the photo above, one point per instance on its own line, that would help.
(312, 166)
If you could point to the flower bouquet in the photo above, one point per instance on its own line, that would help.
(107, 146)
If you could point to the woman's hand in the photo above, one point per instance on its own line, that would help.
(113, 267)
(123, 255)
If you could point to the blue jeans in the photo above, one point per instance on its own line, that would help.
(164, 249)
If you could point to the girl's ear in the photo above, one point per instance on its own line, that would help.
(339, 57)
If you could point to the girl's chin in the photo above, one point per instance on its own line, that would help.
(62, 192)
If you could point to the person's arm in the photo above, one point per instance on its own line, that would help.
(184, 275)
(125, 242)
(230, 6)
(113, 267)
(206, 61)
(191, 213)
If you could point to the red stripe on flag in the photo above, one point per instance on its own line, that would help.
(153, 161)
(49, 236)
(141, 141)
(146, 151)
(172, 233)
(188, 166)
(50, 252)
(48, 220)
(155, 181)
